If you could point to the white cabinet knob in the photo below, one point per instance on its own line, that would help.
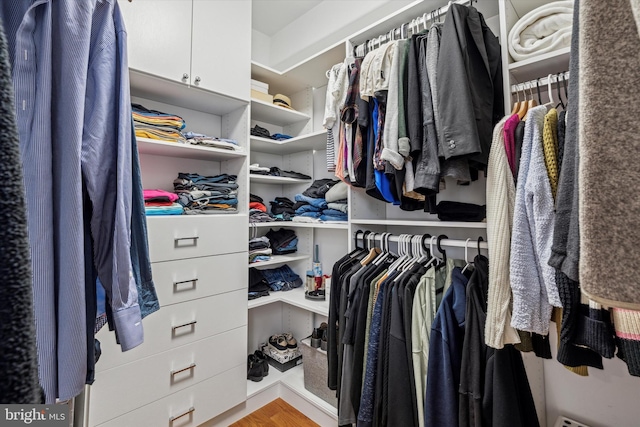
(198, 79)
(185, 76)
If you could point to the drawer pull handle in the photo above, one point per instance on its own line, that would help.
(182, 282)
(184, 325)
(188, 368)
(184, 414)
(178, 240)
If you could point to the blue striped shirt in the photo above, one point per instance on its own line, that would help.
(71, 87)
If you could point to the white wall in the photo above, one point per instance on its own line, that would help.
(326, 24)
(606, 398)
(260, 47)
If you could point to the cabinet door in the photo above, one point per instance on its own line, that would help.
(221, 46)
(159, 34)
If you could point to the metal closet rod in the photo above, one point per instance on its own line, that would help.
(452, 243)
(420, 20)
(544, 81)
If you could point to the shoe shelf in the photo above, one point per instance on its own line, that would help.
(293, 297)
(186, 151)
(279, 260)
(269, 113)
(551, 62)
(410, 223)
(274, 377)
(312, 141)
(280, 180)
(293, 224)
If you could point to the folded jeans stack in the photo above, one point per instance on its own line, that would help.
(157, 125)
(160, 202)
(283, 241)
(207, 194)
(282, 278)
(313, 204)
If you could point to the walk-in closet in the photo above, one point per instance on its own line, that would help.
(403, 213)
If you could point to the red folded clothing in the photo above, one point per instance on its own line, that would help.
(156, 204)
(257, 205)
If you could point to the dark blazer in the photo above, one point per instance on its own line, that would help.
(470, 93)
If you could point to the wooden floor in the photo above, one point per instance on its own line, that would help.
(275, 414)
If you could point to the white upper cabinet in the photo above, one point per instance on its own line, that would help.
(221, 46)
(159, 35)
(201, 43)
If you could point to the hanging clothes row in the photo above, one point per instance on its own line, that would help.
(414, 111)
(407, 347)
(534, 220)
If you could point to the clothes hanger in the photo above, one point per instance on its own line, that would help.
(426, 253)
(516, 105)
(564, 86)
(524, 106)
(480, 239)
(561, 103)
(444, 253)
(551, 102)
(466, 258)
(538, 89)
(532, 102)
(434, 258)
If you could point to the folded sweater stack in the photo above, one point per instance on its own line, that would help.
(160, 202)
(157, 125)
(324, 201)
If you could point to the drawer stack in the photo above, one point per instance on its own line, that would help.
(192, 365)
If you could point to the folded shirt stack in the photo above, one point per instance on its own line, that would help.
(313, 204)
(264, 133)
(207, 194)
(282, 209)
(281, 278)
(256, 202)
(259, 249)
(256, 169)
(160, 202)
(212, 141)
(283, 241)
(157, 125)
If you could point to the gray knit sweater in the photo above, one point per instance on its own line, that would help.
(532, 278)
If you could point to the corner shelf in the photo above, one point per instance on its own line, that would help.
(285, 224)
(279, 260)
(410, 223)
(269, 113)
(186, 151)
(313, 141)
(294, 297)
(541, 65)
(171, 92)
(268, 179)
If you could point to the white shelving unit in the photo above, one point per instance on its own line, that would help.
(412, 223)
(294, 297)
(313, 141)
(279, 260)
(282, 180)
(293, 224)
(269, 113)
(541, 65)
(186, 151)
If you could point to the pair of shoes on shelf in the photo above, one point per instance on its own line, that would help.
(257, 366)
(283, 342)
(315, 295)
(254, 295)
(317, 335)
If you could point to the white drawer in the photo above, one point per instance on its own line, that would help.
(189, 279)
(134, 385)
(207, 399)
(191, 236)
(174, 326)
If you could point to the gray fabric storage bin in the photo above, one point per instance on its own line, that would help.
(315, 372)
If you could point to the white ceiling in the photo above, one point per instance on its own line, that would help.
(270, 16)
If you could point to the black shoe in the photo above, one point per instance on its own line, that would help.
(255, 369)
(263, 359)
(278, 342)
(323, 343)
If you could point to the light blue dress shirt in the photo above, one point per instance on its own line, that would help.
(72, 96)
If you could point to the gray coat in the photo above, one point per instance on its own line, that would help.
(470, 93)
